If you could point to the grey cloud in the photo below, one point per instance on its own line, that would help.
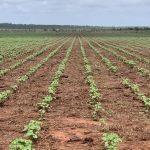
(75, 11)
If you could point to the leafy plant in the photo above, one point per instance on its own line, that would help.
(130, 63)
(23, 78)
(126, 82)
(97, 109)
(144, 72)
(114, 69)
(136, 90)
(106, 61)
(43, 106)
(111, 141)
(32, 129)
(4, 95)
(95, 95)
(21, 144)
(53, 86)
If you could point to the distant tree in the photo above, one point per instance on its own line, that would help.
(45, 29)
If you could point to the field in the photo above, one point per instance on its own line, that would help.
(74, 92)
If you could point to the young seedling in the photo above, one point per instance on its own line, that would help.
(21, 144)
(111, 141)
(32, 129)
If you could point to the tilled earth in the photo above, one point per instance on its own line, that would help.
(68, 124)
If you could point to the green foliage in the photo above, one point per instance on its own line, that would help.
(130, 63)
(96, 109)
(20, 62)
(32, 129)
(21, 144)
(4, 95)
(106, 61)
(23, 78)
(53, 86)
(94, 92)
(114, 69)
(3, 72)
(1, 58)
(136, 90)
(126, 82)
(43, 106)
(144, 72)
(111, 141)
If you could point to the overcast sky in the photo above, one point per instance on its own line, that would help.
(77, 12)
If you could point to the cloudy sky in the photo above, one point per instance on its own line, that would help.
(77, 12)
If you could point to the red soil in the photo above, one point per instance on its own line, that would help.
(68, 124)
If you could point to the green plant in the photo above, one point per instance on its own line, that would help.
(2, 72)
(95, 95)
(106, 61)
(32, 129)
(126, 82)
(114, 69)
(146, 101)
(144, 72)
(53, 86)
(136, 90)
(111, 141)
(23, 78)
(4, 95)
(21, 144)
(130, 63)
(97, 109)
(45, 103)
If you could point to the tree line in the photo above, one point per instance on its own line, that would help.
(33, 27)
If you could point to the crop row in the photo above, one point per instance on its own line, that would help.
(5, 94)
(14, 48)
(21, 62)
(131, 48)
(33, 128)
(30, 48)
(106, 61)
(125, 45)
(136, 90)
(132, 64)
(95, 94)
(111, 140)
(139, 58)
(135, 42)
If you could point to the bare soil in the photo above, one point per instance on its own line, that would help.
(68, 124)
